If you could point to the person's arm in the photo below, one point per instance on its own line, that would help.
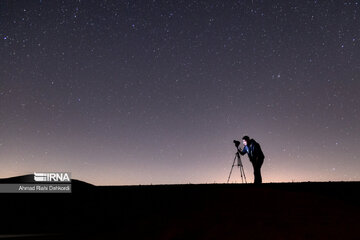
(243, 151)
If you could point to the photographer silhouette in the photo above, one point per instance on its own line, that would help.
(256, 156)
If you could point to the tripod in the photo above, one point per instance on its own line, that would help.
(239, 164)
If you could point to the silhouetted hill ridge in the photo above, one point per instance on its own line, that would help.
(320, 210)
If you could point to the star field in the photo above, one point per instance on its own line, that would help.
(141, 92)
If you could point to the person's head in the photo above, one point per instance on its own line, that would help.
(245, 140)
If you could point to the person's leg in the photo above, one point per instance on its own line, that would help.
(259, 168)
(256, 172)
(259, 175)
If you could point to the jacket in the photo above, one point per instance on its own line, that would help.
(253, 150)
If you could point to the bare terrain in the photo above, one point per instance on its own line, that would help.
(325, 210)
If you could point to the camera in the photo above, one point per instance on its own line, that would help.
(237, 143)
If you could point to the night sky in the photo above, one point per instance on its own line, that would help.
(154, 92)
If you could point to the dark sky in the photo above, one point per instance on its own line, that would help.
(141, 92)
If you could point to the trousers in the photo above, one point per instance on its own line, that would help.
(257, 163)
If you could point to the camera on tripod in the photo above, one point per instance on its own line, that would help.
(237, 143)
(238, 164)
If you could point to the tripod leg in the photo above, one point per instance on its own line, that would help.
(230, 173)
(231, 170)
(244, 174)
(241, 174)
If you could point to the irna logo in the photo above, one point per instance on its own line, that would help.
(52, 177)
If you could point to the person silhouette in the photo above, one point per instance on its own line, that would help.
(256, 156)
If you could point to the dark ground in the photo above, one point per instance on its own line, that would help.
(328, 210)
